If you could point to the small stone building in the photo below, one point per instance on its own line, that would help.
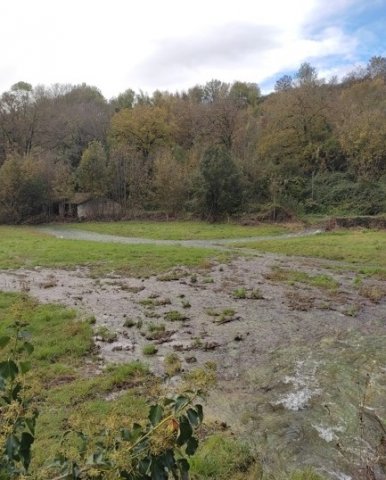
(85, 206)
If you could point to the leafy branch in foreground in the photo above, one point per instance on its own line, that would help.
(17, 412)
(157, 450)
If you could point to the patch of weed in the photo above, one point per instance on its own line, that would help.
(129, 323)
(373, 292)
(172, 364)
(105, 335)
(149, 349)
(175, 316)
(295, 276)
(240, 293)
(221, 457)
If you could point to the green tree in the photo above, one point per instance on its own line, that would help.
(23, 188)
(92, 171)
(143, 128)
(220, 191)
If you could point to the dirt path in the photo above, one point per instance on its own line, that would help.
(74, 234)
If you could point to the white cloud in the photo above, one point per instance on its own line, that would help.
(149, 44)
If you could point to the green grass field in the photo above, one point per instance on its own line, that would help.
(182, 230)
(365, 249)
(25, 247)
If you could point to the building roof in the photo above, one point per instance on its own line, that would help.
(81, 197)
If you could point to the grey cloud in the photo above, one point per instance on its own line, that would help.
(223, 46)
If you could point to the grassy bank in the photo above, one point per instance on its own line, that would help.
(25, 247)
(365, 249)
(182, 230)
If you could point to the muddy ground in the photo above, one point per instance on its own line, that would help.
(272, 349)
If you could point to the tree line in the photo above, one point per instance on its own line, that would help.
(310, 146)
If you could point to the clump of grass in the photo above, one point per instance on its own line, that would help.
(357, 282)
(156, 327)
(149, 349)
(294, 276)
(352, 310)
(172, 275)
(222, 457)
(151, 314)
(172, 364)
(153, 301)
(128, 288)
(256, 294)
(185, 304)
(373, 292)
(193, 278)
(106, 335)
(175, 316)
(227, 315)
(240, 293)
(202, 378)
(91, 319)
(197, 343)
(155, 331)
(129, 323)
(147, 302)
(207, 280)
(162, 301)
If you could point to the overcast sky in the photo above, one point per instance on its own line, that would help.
(170, 44)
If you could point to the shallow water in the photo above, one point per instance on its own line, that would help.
(328, 412)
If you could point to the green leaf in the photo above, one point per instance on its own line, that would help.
(28, 347)
(25, 448)
(30, 422)
(4, 341)
(193, 417)
(183, 465)
(158, 471)
(191, 446)
(11, 447)
(16, 390)
(200, 412)
(133, 434)
(186, 431)
(144, 466)
(181, 402)
(8, 369)
(155, 414)
(25, 367)
(168, 459)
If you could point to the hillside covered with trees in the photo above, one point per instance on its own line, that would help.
(217, 149)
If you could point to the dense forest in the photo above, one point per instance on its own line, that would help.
(218, 149)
